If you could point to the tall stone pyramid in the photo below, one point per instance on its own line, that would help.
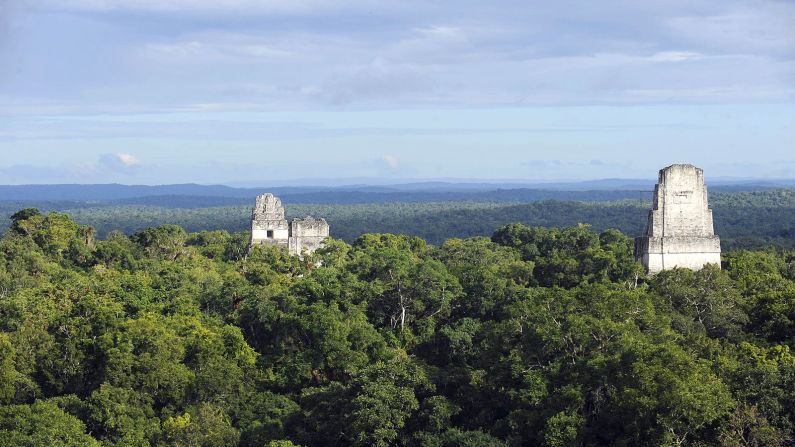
(679, 232)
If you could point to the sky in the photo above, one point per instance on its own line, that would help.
(269, 91)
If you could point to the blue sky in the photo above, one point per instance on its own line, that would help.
(261, 91)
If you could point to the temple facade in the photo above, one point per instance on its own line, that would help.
(679, 232)
(269, 227)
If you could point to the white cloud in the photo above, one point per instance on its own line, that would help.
(374, 81)
(390, 160)
(441, 31)
(177, 49)
(213, 48)
(120, 162)
(128, 160)
(246, 7)
(675, 56)
(712, 94)
(765, 29)
(394, 55)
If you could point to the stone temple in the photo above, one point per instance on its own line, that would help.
(269, 227)
(679, 232)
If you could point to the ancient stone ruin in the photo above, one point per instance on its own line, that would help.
(679, 232)
(269, 227)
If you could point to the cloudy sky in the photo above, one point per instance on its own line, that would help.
(262, 91)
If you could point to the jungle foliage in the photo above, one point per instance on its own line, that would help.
(535, 336)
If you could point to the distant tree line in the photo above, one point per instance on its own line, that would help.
(743, 219)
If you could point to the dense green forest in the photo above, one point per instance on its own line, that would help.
(747, 219)
(534, 336)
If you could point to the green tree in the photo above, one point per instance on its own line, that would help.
(147, 354)
(205, 426)
(384, 397)
(748, 428)
(18, 220)
(165, 242)
(407, 288)
(665, 396)
(122, 417)
(706, 299)
(41, 424)
(8, 373)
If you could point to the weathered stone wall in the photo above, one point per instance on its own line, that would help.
(268, 207)
(657, 254)
(269, 227)
(307, 235)
(680, 205)
(679, 232)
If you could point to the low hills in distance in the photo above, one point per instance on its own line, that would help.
(748, 213)
(418, 191)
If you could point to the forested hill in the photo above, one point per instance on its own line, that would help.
(193, 195)
(534, 336)
(748, 219)
(187, 196)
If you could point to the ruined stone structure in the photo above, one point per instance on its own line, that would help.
(679, 232)
(269, 227)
